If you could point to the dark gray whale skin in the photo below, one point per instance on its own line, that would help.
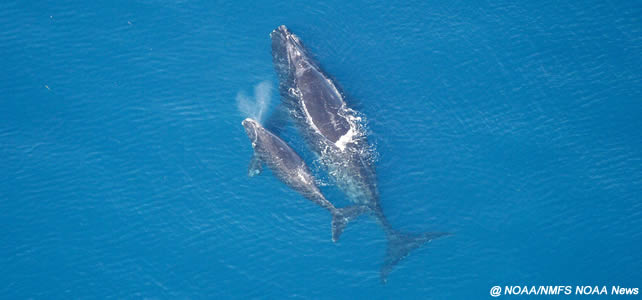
(333, 132)
(288, 167)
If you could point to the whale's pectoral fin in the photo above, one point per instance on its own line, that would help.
(342, 216)
(399, 246)
(256, 166)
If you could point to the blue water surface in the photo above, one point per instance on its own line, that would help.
(123, 165)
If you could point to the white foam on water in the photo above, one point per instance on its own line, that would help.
(345, 139)
(355, 131)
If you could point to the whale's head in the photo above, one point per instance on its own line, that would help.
(287, 50)
(252, 128)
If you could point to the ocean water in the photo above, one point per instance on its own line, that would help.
(123, 165)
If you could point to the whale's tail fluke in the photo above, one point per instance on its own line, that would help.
(342, 216)
(399, 246)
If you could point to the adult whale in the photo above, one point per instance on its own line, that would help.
(334, 133)
(288, 166)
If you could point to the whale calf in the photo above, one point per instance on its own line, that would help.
(334, 133)
(288, 166)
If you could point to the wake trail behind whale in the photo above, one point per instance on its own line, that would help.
(255, 107)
